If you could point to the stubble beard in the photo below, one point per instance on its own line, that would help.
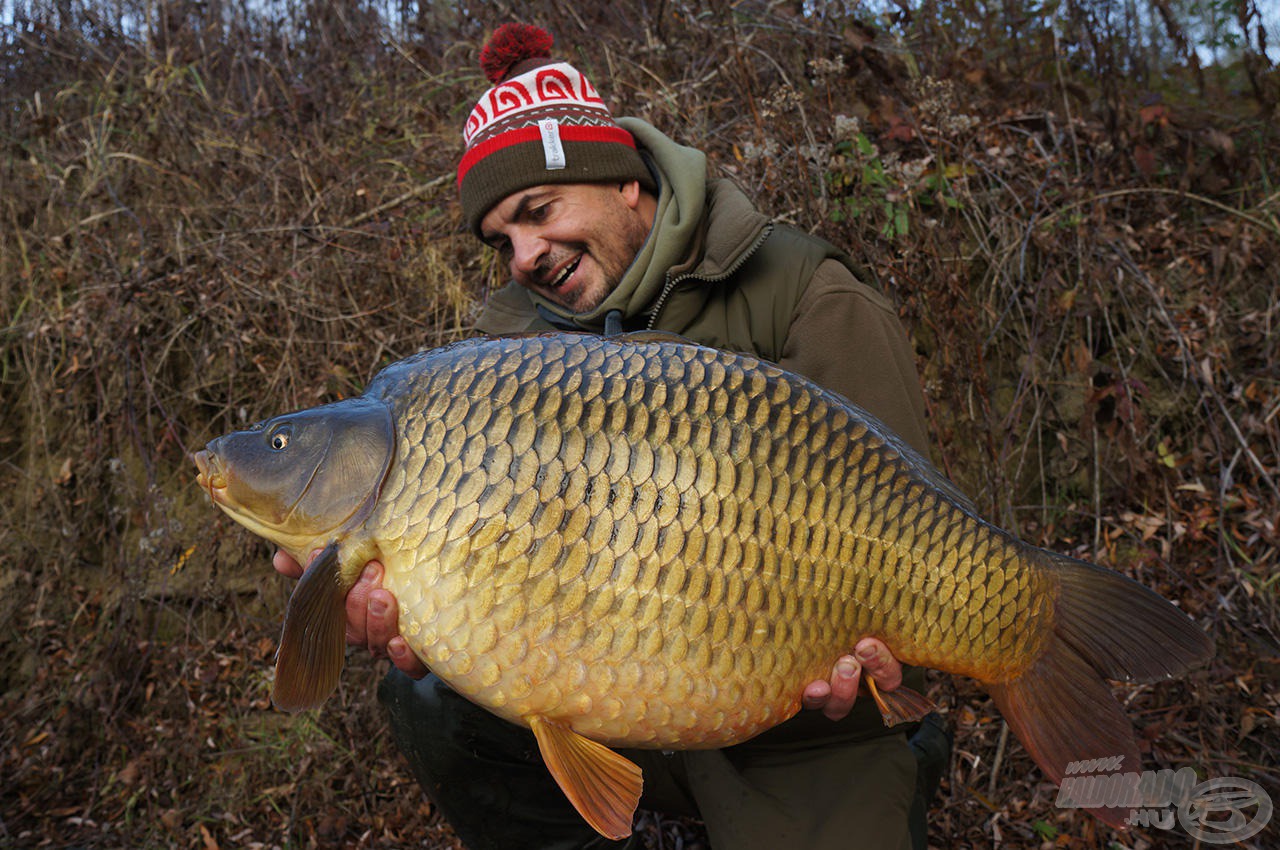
(611, 262)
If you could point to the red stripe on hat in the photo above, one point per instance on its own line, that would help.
(568, 133)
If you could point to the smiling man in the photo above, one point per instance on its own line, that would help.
(611, 226)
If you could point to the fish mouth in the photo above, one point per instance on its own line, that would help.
(210, 475)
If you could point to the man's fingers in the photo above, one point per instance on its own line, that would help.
(358, 605)
(835, 698)
(404, 659)
(844, 687)
(383, 620)
(286, 565)
(879, 663)
(815, 695)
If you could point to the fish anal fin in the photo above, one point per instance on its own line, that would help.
(603, 786)
(1063, 712)
(313, 639)
(901, 705)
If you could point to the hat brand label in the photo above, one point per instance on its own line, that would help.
(551, 147)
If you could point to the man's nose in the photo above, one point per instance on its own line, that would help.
(527, 251)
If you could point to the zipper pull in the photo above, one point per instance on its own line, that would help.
(613, 323)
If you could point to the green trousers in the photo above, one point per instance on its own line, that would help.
(487, 778)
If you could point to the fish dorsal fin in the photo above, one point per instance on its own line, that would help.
(312, 642)
(653, 336)
(919, 463)
(603, 786)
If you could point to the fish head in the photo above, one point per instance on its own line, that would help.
(305, 478)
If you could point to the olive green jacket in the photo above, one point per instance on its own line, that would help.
(717, 271)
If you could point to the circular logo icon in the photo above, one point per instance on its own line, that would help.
(1226, 810)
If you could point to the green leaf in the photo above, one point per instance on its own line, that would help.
(1045, 830)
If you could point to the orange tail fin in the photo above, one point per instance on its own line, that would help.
(1107, 626)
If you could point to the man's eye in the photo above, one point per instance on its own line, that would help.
(539, 213)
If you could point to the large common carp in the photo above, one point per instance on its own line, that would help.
(636, 541)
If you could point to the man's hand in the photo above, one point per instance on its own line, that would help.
(372, 615)
(835, 698)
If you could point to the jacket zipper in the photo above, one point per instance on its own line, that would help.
(672, 283)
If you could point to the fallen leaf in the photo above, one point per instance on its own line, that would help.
(1145, 158)
(129, 775)
(1157, 114)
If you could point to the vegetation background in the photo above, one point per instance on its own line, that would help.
(216, 211)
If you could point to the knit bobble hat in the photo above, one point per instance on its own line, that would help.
(541, 122)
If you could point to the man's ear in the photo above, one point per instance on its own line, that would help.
(630, 192)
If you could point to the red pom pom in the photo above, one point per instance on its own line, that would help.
(510, 45)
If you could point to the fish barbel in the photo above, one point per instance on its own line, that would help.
(637, 541)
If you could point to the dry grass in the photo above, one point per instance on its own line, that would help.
(227, 221)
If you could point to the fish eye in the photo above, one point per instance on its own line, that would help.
(280, 439)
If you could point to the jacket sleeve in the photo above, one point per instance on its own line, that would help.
(846, 336)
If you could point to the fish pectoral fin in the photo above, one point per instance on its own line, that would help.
(901, 705)
(603, 786)
(312, 642)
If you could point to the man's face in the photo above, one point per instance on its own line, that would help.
(570, 243)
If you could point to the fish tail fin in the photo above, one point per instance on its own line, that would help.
(1107, 626)
(1125, 630)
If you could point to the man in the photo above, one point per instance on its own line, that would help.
(609, 226)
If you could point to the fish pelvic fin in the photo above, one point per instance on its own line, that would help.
(603, 786)
(1107, 626)
(313, 640)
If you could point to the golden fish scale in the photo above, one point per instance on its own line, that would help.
(659, 545)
